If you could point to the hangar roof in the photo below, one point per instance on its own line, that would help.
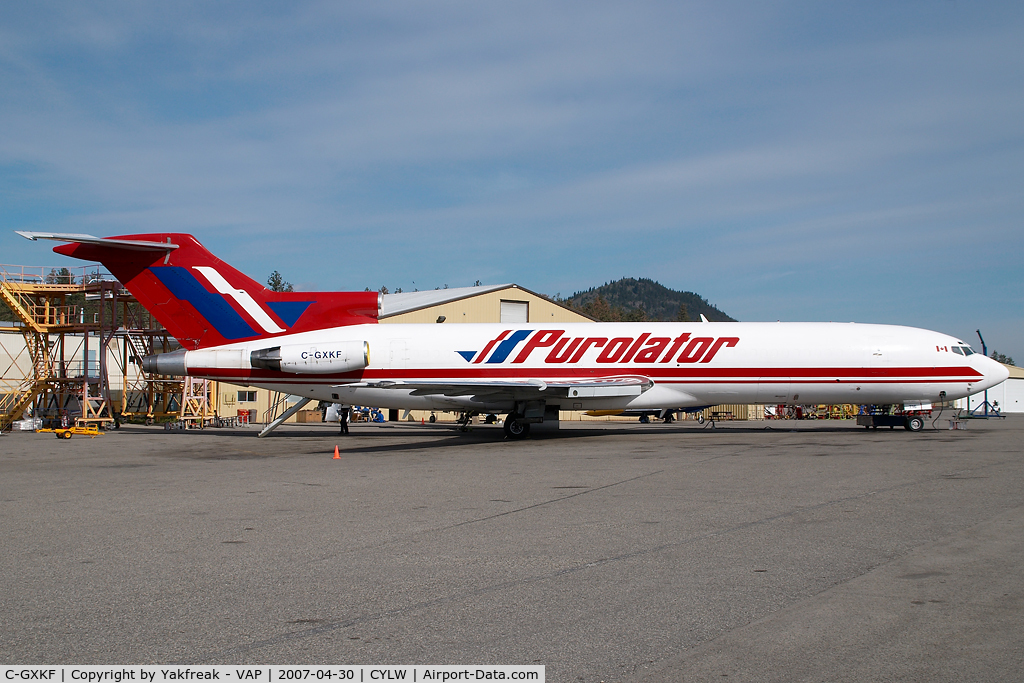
(394, 304)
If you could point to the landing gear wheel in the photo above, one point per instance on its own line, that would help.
(914, 424)
(514, 429)
(432, 418)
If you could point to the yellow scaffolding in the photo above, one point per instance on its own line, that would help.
(81, 313)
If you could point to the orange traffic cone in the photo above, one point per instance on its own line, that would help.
(337, 455)
(422, 421)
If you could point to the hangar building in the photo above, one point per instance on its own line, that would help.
(1007, 397)
(483, 304)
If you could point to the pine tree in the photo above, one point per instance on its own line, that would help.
(278, 283)
(1000, 358)
(60, 277)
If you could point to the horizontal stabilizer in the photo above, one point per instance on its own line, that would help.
(134, 245)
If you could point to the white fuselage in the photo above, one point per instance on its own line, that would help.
(688, 364)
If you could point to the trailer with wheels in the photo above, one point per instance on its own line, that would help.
(912, 423)
(90, 430)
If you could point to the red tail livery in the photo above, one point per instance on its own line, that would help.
(203, 301)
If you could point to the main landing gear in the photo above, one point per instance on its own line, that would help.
(515, 428)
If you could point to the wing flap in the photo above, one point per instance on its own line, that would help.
(596, 387)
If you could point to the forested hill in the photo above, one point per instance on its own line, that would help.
(632, 299)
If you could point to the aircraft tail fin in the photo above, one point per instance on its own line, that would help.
(202, 300)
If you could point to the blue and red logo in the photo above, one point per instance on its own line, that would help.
(566, 349)
(214, 306)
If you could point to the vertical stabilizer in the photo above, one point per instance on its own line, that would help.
(202, 300)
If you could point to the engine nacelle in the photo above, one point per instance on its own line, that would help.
(322, 359)
(182, 362)
(172, 363)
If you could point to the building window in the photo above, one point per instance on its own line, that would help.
(246, 396)
(515, 311)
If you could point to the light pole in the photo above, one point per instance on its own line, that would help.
(984, 351)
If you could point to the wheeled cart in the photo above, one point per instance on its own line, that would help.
(913, 423)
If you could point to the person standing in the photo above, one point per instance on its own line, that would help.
(343, 419)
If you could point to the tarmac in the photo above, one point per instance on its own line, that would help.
(754, 551)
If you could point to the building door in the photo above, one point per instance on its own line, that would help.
(515, 312)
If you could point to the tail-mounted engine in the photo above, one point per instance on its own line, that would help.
(323, 359)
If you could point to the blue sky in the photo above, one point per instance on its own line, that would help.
(793, 161)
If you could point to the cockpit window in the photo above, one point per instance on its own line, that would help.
(968, 351)
(957, 351)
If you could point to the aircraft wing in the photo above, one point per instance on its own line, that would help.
(527, 388)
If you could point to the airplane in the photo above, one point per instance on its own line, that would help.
(328, 346)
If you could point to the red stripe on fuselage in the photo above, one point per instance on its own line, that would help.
(689, 374)
(259, 381)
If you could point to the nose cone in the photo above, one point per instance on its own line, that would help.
(994, 373)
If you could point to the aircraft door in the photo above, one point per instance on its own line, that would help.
(399, 354)
(774, 390)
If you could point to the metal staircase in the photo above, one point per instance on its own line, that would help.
(64, 315)
(18, 394)
(40, 304)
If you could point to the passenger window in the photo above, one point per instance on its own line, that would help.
(957, 351)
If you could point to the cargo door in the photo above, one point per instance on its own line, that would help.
(775, 390)
(399, 354)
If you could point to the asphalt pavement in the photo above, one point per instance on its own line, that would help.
(755, 551)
